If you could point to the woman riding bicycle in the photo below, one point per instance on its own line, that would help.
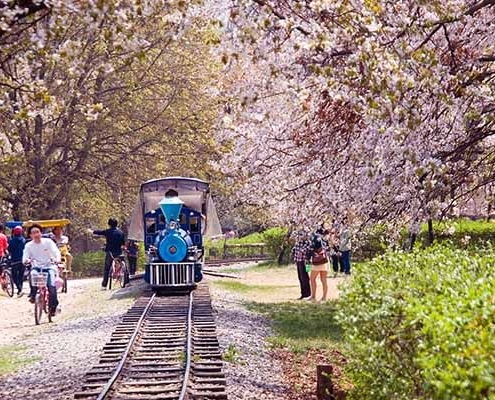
(43, 254)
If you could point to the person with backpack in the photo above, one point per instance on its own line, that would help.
(319, 261)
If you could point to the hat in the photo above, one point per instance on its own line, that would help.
(17, 231)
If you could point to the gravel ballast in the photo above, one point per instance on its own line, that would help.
(252, 373)
(58, 355)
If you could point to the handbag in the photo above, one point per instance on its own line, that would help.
(319, 257)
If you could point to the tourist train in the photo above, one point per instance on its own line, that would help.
(173, 215)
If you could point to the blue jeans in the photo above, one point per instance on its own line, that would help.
(345, 262)
(18, 274)
(50, 283)
(335, 263)
(303, 279)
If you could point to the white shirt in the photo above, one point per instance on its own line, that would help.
(63, 240)
(42, 253)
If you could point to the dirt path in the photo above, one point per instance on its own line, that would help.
(275, 285)
(53, 357)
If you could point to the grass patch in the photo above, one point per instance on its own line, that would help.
(11, 359)
(302, 326)
(231, 355)
(245, 288)
(88, 264)
(261, 267)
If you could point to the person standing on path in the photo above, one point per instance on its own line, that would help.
(16, 249)
(333, 248)
(298, 253)
(115, 240)
(345, 247)
(319, 261)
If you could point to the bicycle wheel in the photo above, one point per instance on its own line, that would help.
(38, 308)
(64, 277)
(110, 275)
(46, 302)
(9, 283)
(124, 274)
(118, 274)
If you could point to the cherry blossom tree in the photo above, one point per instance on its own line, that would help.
(380, 110)
(98, 95)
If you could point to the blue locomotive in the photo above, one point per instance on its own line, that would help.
(172, 216)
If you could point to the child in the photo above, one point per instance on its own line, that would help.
(132, 256)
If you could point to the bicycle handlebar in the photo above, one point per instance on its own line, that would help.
(118, 256)
(35, 264)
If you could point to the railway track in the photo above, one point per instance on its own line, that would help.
(228, 261)
(164, 348)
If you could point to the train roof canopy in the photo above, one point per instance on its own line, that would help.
(175, 182)
(195, 194)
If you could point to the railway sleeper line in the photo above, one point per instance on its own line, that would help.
(157, 361)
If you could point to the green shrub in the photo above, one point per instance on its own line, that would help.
(88, 264)
(275, 239)
(91, 263)
(464, 233)
(422, 326)
(371, 242)
(236, 247)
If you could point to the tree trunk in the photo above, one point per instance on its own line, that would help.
(16, 209)
(280, 259)
(431, 236)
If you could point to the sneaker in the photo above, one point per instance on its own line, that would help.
(103, 288)
(335, 274)
(31, 300)
(53, 313)
(300, 298)
(20, 294)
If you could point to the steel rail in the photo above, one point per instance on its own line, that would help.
(213, 273)
(222, 261)
(120, 366)
(188, 350)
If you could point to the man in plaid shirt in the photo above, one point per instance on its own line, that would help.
(298, 254)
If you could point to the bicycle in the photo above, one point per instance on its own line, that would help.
(119, 271)
(42, 297)
(6, 281)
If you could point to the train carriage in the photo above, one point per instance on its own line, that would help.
(172, 216)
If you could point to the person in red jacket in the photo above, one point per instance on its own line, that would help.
(4, 243)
